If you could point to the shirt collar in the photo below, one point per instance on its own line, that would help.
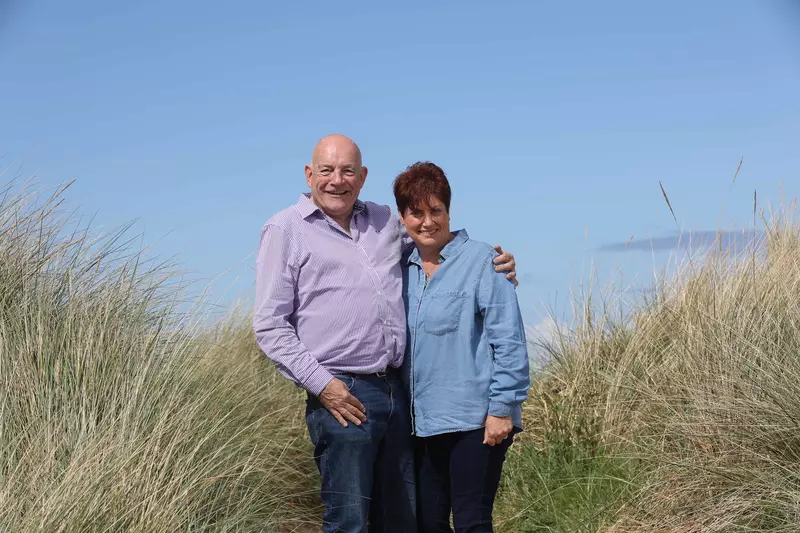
(449, 250)
(307, 207)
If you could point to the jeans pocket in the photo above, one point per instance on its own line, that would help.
(444, 312)
(349, 381)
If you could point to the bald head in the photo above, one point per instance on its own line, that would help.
(337, 143)
(336, 176)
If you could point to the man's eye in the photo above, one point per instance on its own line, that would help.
(325, 171)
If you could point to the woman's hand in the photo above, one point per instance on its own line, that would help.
(497, 429)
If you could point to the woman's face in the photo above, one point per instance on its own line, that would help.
(428, 224)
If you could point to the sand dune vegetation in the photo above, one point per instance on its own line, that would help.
(121, 411)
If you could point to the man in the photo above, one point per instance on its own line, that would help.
(329, 312)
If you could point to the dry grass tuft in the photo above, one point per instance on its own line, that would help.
(117, 413)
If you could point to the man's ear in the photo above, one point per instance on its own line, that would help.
(364, 171)
(309, 174)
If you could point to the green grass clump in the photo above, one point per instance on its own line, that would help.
(563, 488)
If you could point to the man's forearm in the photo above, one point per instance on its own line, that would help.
(293, 360)
(276, 287)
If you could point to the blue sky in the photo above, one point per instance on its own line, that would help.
(555, 121)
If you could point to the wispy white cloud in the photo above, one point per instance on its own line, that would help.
(693, 239)
(539, 336)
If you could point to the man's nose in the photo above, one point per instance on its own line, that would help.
(337, 178)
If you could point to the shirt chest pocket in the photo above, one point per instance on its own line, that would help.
(444, 312)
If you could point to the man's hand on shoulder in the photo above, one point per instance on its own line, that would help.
(342, 405)
(505, 263)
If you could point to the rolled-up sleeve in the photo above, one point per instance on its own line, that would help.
(276, 289)
(502, 321)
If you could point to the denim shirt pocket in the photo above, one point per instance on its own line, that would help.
(444, 312)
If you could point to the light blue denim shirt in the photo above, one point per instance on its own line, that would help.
(466, 354)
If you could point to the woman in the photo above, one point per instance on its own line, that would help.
(466, 364)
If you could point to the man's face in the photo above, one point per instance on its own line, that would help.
(336, 176)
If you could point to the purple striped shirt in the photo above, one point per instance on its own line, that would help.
(328, 302)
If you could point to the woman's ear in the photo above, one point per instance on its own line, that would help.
(402, 218)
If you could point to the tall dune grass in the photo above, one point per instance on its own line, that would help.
(117, 413)
(708, 387)
(682, 417)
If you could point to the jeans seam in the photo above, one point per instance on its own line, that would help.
(391, 399)
(317, 440)
(324, 443)
(312, 424)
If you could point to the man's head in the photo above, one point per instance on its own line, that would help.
(336, 176)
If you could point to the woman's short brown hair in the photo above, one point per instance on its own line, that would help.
(418, 183)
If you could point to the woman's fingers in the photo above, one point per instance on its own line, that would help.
(492, 438)
(487, 438)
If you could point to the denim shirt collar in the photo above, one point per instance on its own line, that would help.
(307, 207)
(449, 250)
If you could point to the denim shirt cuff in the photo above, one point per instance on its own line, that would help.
(500, 409)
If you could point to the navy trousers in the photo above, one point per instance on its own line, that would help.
(456, 471)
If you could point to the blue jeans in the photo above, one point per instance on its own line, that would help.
(368, 470)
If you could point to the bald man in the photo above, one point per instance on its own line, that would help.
(329, 312)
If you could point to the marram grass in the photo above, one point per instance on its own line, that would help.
(120, 412)
(117, 413)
